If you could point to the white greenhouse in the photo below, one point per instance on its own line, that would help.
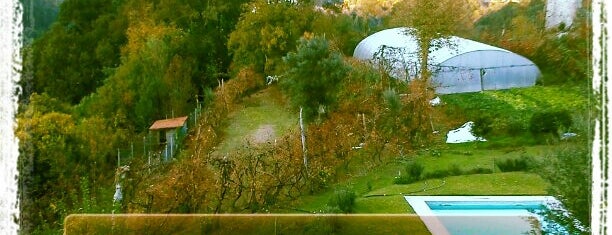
(460, 66)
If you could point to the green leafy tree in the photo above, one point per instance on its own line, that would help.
(207, 25)
(342, 30)
(69, 59)
(47, 149)
(38, 17)
(314, 74)
(265, 33)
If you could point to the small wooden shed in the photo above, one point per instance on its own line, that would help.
(166, 132)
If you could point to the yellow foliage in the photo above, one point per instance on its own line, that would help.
(142, 28)
(370, 8)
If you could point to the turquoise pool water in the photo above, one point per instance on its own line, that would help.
(462, 215)
(493, 217)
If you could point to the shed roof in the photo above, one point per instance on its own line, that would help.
(168, 123)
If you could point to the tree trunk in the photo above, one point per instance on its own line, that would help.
(424, 44)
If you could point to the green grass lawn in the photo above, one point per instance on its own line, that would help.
(509, 183)
(371, 185)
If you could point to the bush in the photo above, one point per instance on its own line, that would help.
(517, 164)
(437, 174)
(344, 200)
(412, 173)
(482, 126)
(516, 127)
(549, 122)
(454, 170)
(479, 170)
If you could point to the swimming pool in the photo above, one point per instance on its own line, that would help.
(458, 215)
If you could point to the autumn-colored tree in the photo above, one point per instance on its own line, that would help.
(267, 30)
(47, 149)
(432, 23)
(343, 31)
(370, 8)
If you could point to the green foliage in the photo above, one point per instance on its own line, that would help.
(412, 173)
(482, 125)
(344, 200)
(314, 76)
(549, 122)
(568, 169)
(344, 31)
(510, 111)
(393, 102)
(453, 170)
(152, 84)
(38, 17)
(68, 60)
(508, 165)
(430, 20)
(266, 32)
(562, 54)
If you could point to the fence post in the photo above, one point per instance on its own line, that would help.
(118, 158)
(303, 140)
(149, 165)
(171, 145)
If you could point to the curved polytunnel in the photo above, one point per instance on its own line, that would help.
(462, 65)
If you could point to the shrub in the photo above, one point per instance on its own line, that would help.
(516, 127)
(412, 173)
(437, 174)
(344, 200)
(479, 170)
(549, 122)
(482, 126)
(454, 170)
(517, 164)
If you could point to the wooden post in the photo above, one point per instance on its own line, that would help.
(171, 145)
(364, 123)
(118, 158)
(482, 73)
(303, 140)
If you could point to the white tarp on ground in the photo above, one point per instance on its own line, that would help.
(463, 134)
(436, 101)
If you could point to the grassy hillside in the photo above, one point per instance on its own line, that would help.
(374, 188)
(261, 117)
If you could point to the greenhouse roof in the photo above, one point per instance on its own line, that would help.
(399, 38)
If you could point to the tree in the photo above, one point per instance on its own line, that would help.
(432, 23)
(265, 33)
(314, 75)
(38, 17)
(69, 59)
(47, 148)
